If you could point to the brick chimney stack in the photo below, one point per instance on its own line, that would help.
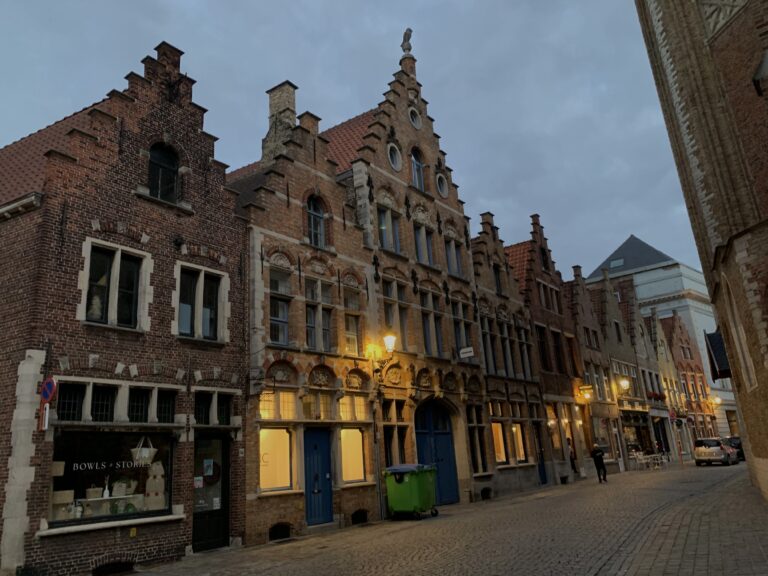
(282, 119)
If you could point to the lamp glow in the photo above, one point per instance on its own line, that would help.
(624, 383)
(718, 400)
(389, 343)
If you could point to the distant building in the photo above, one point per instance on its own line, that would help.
(710, 63)
(668, 286)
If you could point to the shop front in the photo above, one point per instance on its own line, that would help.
(637, 433)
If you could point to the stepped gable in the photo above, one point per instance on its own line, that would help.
(635, 254)
(517, 256)
(22, 163)
(345, 139)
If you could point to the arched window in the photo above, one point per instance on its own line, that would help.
(417, 169)
(316, 222)
(163, 173)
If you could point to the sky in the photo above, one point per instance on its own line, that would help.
(544, 107)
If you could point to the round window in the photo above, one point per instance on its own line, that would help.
(442, 186)
(415, 117)
(395, 159)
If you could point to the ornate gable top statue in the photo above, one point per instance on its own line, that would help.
(406, 45)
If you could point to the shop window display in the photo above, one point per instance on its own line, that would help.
(117, 475)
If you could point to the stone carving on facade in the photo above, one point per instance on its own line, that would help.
(474, 386)
(424, 379)
(280, 374)
(321, 377)
(449, 383)
(317, 266)
(350, 280)
(420, 215)
(406, 44)
(394, 376)
(385, 199)
(356, 380)
(717, 13)
(280, 260)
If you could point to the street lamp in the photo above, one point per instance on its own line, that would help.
(389, 343)
(718, 400)
(389, 346)
(624, 383)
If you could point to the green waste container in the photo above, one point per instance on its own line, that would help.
(411, 489)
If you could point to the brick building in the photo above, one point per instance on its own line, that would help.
(697, 404)
(121, 277)
(374, 241)
(595, 396)
(711, 70)
(553, 332)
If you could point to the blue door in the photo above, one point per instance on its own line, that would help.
(434, 443)
(318, 487)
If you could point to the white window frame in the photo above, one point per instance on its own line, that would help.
(224, 309)
(145, 295)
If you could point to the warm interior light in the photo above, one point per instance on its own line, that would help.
(587, 395)
(389, 342)
(551, 423)
(624, 383)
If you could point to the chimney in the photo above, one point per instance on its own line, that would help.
(282, 119)
(310, 122)
(486, 223)
(577, 272)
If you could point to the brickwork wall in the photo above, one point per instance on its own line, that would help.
(96, 187)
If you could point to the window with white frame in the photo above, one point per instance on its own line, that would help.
(279, 305)
(453, 257)
(201, 301)
(354, 407)
(423, 239)
(519, 431)
(275, 447)
(396, 310)
(462, 325)
(476, 429)
(431, 324)
(389, 229)
(395, 431)
(352, 455)
(507, 347)
(489, 344)
(319, 315)
(353, 336)
(116, 287)
(417, 169)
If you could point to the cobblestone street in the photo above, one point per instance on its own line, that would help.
(677, 521)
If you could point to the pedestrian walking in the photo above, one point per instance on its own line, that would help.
(597, 456)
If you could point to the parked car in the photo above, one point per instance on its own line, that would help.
(735, 442)
(708, 450)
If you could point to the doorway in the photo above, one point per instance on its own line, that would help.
(318, 485)
(210, 520)
(434, 444)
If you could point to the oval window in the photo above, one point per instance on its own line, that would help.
(415, 117)
(442, 186)
(395, 159)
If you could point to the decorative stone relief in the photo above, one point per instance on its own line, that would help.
(717, 13)
(350, 280)
(318, 267)
(449, 382)
(281, 260)
(321, 377)
(420, 215)
(394, 376)
(424, 379)
(355, 381)
(385, 199)
(473, 385)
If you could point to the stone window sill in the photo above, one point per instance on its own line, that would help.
(481, 475)
(515, 466)
(182, 207)
(273, 493)
(203, 341)
(327, 249)
(107, 525)
(395, 254)
(90, 324)
(360, 484)
(424, 193)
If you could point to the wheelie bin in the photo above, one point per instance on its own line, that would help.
(410, 490)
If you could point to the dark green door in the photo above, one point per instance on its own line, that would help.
(210, 521)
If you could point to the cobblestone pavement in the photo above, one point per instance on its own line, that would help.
(683, 520)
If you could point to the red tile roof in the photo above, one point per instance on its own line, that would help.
(517, 256)
(22, 163)
(243, 172)
(346, 139)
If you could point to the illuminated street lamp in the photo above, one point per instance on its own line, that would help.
(718, 400)
(389, 343)
(624, 383)
(389, 346)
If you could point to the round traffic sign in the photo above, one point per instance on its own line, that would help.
(48, 389)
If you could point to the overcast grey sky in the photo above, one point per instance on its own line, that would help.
(542, 106)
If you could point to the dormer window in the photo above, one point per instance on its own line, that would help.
(163, 173)
(417, 169)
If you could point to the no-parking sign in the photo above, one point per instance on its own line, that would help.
(48, 389)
